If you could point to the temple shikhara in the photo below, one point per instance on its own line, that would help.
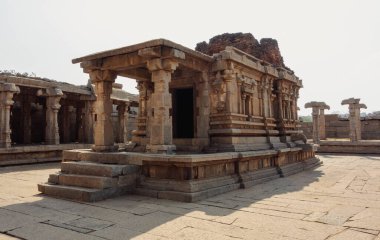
(210, 120)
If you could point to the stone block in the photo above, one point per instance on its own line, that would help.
(127, 180)
(94, 169)
(87, 181)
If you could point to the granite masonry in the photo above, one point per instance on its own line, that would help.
(206, 124)
(40, 118)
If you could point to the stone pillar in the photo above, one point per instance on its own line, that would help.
(27, 119)
(66, 123)
(265, 98)
(122, 110)
(315, 115)
(53, 96)
(322, 124)
(317, 106)
(203, 102)
(89, 113)
(161, 133)
(7, 90)
(354, 117)
(126, 120)
(79, 122)
(103, 131)
(231, 91)
(142, 117)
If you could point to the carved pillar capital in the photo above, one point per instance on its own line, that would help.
(102, 75)
(157, 64)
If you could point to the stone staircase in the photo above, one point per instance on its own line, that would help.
(90, 181)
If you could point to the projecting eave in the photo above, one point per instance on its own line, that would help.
(136, 47)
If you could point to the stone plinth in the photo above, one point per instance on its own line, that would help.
(354, 117)
(359, 147)
(179, 177)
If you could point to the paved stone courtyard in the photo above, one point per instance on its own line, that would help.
(339, 200)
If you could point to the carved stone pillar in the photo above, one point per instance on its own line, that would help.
(161, 134)
(322, 124)
(316, 106)
(67, 110)
(231, 91)
(89, 112)
(27, 119)
(7, 90)
(264, 89)
(53, 96)
(315, 115)
(142, 118)
(354, 117)
(126, 120)
(103, 131)
(122, 110)
(203, 117)
(79, 122)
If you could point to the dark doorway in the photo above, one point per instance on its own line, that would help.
(183, 113)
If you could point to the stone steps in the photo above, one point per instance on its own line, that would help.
(88, 181)
(80, 193)
(96, 169)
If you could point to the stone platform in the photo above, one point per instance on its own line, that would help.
(338, 200)
(36, 153)
(360, 147)
(91, 176)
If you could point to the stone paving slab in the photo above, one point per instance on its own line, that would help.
(338, 200)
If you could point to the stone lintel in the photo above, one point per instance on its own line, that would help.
(50, 92)
(151, 52)
(9, 87)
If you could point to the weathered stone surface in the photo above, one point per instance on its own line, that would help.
(343, 188)
(87, 181)
(267, 49)
(95, 169)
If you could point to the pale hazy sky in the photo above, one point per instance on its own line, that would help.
(332, 45)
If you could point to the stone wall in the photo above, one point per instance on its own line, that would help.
(267, 49)
(339, 128)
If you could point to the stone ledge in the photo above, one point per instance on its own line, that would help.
(362, 147)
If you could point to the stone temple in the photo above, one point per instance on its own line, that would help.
(209, 121)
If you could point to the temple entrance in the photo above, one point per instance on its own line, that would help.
(183, 113)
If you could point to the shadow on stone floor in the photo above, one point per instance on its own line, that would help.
(126, 217)
(29, 167)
